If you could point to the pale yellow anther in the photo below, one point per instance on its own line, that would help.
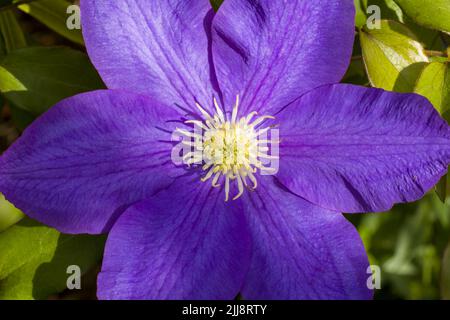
(228, 147)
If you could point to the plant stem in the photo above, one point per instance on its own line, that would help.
(434, 53)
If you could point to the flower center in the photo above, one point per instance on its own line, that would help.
(229, 149)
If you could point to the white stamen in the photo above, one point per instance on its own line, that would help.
(235, 110)
(219, 111)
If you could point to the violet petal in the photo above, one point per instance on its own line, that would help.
(182, 243)
(356, 149)
(78, 166)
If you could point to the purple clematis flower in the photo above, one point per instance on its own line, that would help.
(102, 161)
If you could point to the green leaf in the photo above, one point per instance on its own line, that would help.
(388, 8)
(434, 83)
(34, 79)
(34, 259)
(355, 73)
(20, 117)
(442, 188)
(11, 31)
(408, 244)
(430, 39)
(360, 17)
(438, 59)
(53, 13)
(392, 56)
(9, 82)
(216, 4)
(9, 214)
(433, 14)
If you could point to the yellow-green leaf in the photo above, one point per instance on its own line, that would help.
(34, 259)
(9, 214)
(433, 14)
(360, 16)
(434, 83)
(392, 56)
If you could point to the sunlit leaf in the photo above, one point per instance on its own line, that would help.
(434, 83)
(9, 214)
(9, 82)
(433, 14)
(34, 259)
(390, 10)
(360, 17)
(392, 56)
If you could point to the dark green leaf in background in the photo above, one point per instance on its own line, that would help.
(389, 10)
(407, 243)
(36, 78)
(355, 73)
(53, 13)
(445, 275)
(443, 188)
(216, 4)
(20, 117)
(4, 3)
(2, 103)
(34, 259)
(11, 32)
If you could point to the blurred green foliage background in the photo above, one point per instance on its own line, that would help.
(42, 62)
